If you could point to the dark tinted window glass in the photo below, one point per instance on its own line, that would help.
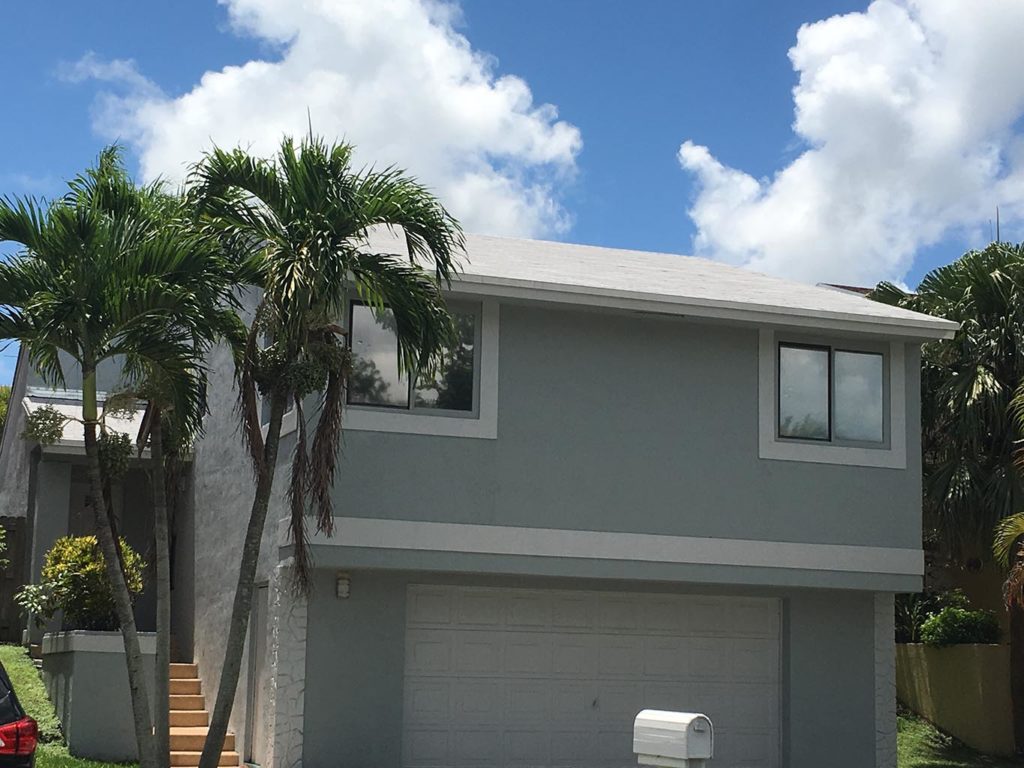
(451, 387)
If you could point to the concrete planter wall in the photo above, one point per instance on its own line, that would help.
(963, 689)
(87, 680)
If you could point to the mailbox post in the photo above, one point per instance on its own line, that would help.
(673, 739)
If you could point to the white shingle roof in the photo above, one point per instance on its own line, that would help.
(668, 283)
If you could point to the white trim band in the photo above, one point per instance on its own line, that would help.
(607, 545)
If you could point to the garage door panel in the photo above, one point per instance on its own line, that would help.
(617, 703)
(426, 747)
(754, 706)
(477, 747)
(427, 701)
(571, 610)
(508, 678)
(529, 701)
(478, 701)
(618, 612)
(753, 660)
(708, 659)
(478, 653)
(529, 610)
(620, 656)
(479, 608)
(665, 658)
(574, 656)
(429, 651)
(528, 654)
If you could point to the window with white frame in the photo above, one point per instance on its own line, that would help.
(377, 380)
(834, 402)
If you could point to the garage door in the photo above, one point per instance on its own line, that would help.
(503, 678)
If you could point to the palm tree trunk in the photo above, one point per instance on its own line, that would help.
(242, 606)
(122, 598)
(161, 534)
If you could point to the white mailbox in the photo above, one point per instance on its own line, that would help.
(673, 739)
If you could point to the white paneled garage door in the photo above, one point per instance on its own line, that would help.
(508, 678)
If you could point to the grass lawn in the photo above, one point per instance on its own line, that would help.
(29, 686)
(919, 745)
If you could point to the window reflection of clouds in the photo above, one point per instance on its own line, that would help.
(803, 392)
(859, 396)
(376, 377)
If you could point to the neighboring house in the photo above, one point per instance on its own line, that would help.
(48, 485)
(647, 481)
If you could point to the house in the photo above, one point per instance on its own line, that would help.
(645, 480)
(48, 487)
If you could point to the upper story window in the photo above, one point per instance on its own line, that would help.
(459, 399)
(831, 394)
(377, 380)
(835, 403)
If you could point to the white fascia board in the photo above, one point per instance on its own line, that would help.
(926, 329)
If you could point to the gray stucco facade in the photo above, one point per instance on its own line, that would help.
(638, 427)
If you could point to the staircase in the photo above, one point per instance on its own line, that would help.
(190, 721)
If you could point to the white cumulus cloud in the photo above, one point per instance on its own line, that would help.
(394, 77)
(908, 118)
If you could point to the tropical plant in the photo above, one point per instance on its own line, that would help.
(960, 626)
(305, 215)
(75, 581)
(969, 434)
(912, 610)
(96, 280)
(175, 398)
(5, 398)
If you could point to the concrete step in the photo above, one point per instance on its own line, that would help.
(181, 686)
(179, 671)
(191, 759)
(189, 718)
(192, 739)
(187, 701)
(35, 651)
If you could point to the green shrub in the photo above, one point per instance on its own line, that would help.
(913, 609)
(74, 580)
(960, 626)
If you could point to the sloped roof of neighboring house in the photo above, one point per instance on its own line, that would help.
(69, 403)
(669, 283)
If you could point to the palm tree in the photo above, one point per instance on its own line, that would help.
(305, 215)
(970, 435)
(98, 280)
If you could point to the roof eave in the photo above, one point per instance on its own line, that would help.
(926, 329)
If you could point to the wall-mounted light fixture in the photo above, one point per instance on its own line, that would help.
(343, 586)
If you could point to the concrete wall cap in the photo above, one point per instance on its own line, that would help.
(88, 641)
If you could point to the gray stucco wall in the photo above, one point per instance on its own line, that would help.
(625, 423)
(221, 498)
(89, 690)
(357, 646)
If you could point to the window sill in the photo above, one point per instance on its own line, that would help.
(779, 450)
(369, 420)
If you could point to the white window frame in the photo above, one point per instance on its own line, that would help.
(483, 424)
(890, 455)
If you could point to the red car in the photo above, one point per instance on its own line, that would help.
(18, 732)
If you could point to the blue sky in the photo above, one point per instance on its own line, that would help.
(674, 128)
